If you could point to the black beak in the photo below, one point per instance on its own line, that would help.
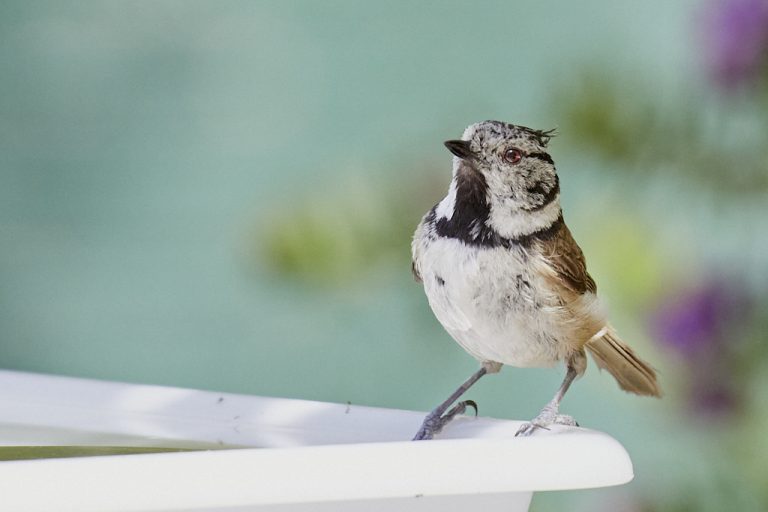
(460, 148)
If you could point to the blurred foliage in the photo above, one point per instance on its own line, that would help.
(716, 136)
(720, 143)
(335, 239)
(624, 250)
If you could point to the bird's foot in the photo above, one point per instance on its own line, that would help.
(547, 417)
(434, 422)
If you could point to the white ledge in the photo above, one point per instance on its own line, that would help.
(314, 453)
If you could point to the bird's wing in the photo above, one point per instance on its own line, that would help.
(415, 270)
(416, 249)
(561, 261)
(564, 262)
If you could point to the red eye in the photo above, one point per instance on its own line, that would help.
(512, 156)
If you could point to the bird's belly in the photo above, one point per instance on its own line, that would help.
(493, 305)
(520, 344)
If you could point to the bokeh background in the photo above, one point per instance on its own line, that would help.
(221, 195)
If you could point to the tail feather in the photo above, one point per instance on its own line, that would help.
(632, 373)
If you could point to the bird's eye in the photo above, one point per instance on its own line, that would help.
(512, 156)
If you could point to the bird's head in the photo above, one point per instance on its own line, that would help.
(512, 161)
(503, 180)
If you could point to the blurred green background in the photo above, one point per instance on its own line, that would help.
(221, 195)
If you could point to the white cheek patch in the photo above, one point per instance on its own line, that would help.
(511, 222)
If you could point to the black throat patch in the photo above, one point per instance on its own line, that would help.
(469, 222)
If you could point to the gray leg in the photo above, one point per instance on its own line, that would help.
(550, 415)
(438, 418)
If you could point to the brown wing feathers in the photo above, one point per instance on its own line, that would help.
(564, 256)
(632, 373)
(566, 261)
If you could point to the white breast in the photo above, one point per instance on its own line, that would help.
(491, 303)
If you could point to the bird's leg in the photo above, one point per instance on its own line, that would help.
(438, 418)
(550, 414)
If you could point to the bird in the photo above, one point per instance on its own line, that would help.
(505, 278)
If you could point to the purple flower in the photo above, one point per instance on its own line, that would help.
(696, 320)
(736, 39)
(704, 324)
(713, 397)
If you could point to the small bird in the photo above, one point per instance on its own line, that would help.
(506, 279)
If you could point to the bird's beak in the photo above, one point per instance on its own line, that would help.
(460, 148)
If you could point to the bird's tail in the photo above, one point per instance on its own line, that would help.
(632, 373)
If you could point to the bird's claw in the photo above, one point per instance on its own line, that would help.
(544, 421)
(470, 403)
(434, 423)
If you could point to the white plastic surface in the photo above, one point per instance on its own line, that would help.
(315, 456)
